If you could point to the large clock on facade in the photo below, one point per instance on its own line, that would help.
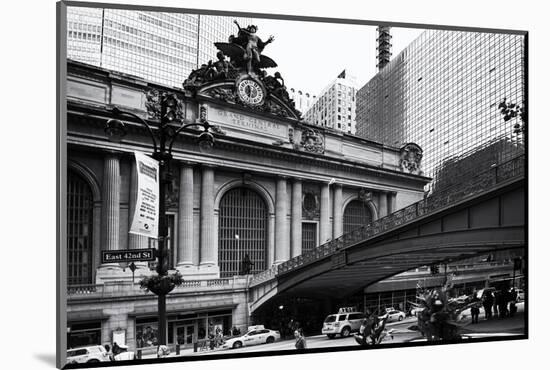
(250, 91)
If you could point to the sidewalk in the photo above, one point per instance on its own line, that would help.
(183, 352)
(515, 325)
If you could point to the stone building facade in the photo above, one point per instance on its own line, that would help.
(272, 187)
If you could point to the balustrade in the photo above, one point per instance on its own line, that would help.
(453, 194)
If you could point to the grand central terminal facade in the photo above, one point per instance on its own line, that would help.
(272, 187)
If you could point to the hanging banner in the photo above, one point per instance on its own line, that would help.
(146, 214)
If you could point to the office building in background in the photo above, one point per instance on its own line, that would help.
(442, 92)
(160, 47)
(303, 100)
(335, 105)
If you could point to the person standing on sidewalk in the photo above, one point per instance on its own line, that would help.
(488, 304)
(474, 311)
(513, 300)
(300, 339)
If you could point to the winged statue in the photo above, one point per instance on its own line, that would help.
(246, 49)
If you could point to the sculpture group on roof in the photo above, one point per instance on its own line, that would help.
(242, 56)
(247, 48)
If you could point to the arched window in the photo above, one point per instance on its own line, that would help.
(356, 215)
(79, 230)
(242, 230)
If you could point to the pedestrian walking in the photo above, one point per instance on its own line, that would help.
(474, 311)
(116, 349)
(246, 265)
(513, 300)
(502, 303)
(300, 339)
(487, 301)
(109, 353)
(163, 351)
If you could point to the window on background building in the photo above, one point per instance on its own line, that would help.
(79, 230)
(146, 332)
(83, 334)
(242, 230)
(309, 236)
(356, 214)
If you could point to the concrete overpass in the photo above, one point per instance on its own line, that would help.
(481, 215)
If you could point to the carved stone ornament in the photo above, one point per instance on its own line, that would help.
(365, 195)
(411, 159)
(312, 141)
(222, 93)
(203, 113)
(153, 104)
(217, 130)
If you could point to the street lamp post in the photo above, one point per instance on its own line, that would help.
(166, 110)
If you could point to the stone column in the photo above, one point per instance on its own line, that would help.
(337, 216)
(271, 240)
(135, 241)
(110, 214)
(207, 218)
(282, 247)
(185, 218)
(324, 228)
(383, 204)
(392, 200)
(296, 231)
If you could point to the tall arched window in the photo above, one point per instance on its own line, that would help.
(242, 230)
(356, 215)
(79, 230)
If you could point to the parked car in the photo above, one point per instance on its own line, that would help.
(343, 323)
(256, 335)
(88, 354)
(395, 315)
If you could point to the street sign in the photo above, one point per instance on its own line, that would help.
(128, 255)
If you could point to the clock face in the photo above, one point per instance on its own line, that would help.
(250, 92)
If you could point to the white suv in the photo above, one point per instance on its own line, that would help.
(87, 354)
(342, 323)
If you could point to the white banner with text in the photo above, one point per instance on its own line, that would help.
(146, 214)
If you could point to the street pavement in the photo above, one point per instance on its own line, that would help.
(483, 329)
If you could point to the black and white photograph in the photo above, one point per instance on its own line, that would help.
(248, 184)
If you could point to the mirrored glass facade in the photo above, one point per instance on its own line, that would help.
(442, 92)
(159, 47)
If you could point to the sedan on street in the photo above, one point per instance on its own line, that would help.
(256, 335)
(395, 315)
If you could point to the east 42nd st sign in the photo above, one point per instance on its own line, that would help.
(128, 255)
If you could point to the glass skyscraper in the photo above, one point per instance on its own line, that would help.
(159, 47)
(442, 92)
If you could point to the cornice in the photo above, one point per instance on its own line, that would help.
(95, 117)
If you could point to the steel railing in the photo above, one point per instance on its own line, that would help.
(496, 175)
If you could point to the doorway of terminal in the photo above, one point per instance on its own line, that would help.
(185, 334)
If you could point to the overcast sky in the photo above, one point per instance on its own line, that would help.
(310, 54)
